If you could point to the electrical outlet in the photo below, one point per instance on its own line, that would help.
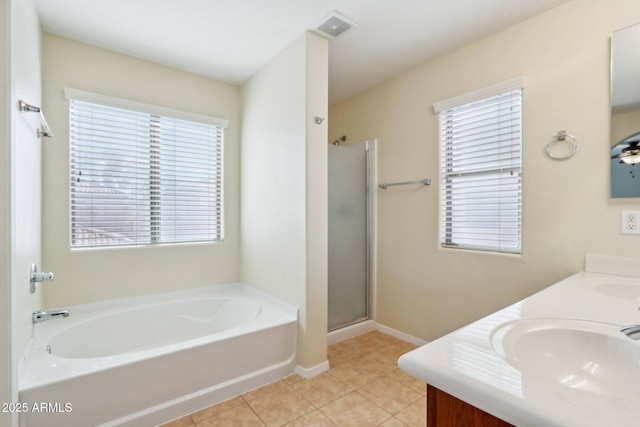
(629, 222)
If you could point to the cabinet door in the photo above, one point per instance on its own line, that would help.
(444, 410)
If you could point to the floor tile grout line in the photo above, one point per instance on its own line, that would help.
(390, 414)
(383, 374)
(315, 408)
(340, 381)
(308, 401)
(264, 423)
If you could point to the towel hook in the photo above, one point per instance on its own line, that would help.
(561, 137)
(44, 130)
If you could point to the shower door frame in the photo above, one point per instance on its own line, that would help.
(371, 200)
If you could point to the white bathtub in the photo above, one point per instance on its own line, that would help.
(145, 361)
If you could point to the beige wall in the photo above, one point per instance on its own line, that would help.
(93, 275)
(284, 187)
(317, 193)
(426, 291)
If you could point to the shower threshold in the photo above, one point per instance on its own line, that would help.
(350, 330)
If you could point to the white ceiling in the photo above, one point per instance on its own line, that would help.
(231, 40)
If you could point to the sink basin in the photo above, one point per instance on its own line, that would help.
(585, 356)
(628, 291)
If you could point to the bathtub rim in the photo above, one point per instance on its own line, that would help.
(79, 320)
(164, 296)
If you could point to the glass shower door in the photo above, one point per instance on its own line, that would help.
(348, 240)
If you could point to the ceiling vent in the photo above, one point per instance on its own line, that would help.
(334, 25)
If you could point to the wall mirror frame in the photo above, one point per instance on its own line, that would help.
(625, 112)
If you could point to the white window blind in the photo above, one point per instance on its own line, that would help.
(140, 178)
(481, 179)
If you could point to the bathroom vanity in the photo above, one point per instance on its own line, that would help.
(557, 358)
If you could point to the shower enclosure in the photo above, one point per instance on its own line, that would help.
(350, 238)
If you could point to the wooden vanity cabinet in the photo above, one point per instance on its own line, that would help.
(444, 410)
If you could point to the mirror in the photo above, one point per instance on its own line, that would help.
(625, 112)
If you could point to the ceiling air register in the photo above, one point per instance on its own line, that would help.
(334, 25)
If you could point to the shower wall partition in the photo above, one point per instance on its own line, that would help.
(351, 201)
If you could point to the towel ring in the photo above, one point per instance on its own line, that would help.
(560, 137)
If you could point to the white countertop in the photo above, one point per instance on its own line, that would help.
(465, 364)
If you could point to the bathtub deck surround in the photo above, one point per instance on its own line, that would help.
(141, 361)
(556, 358)
(364, 387)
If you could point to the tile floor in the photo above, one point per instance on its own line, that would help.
(364, 387)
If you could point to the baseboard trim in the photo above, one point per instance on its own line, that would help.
(401, 335)
(313, 371)
(352, 331)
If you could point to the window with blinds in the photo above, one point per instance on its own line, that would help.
(481, 179)
(141, 179)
